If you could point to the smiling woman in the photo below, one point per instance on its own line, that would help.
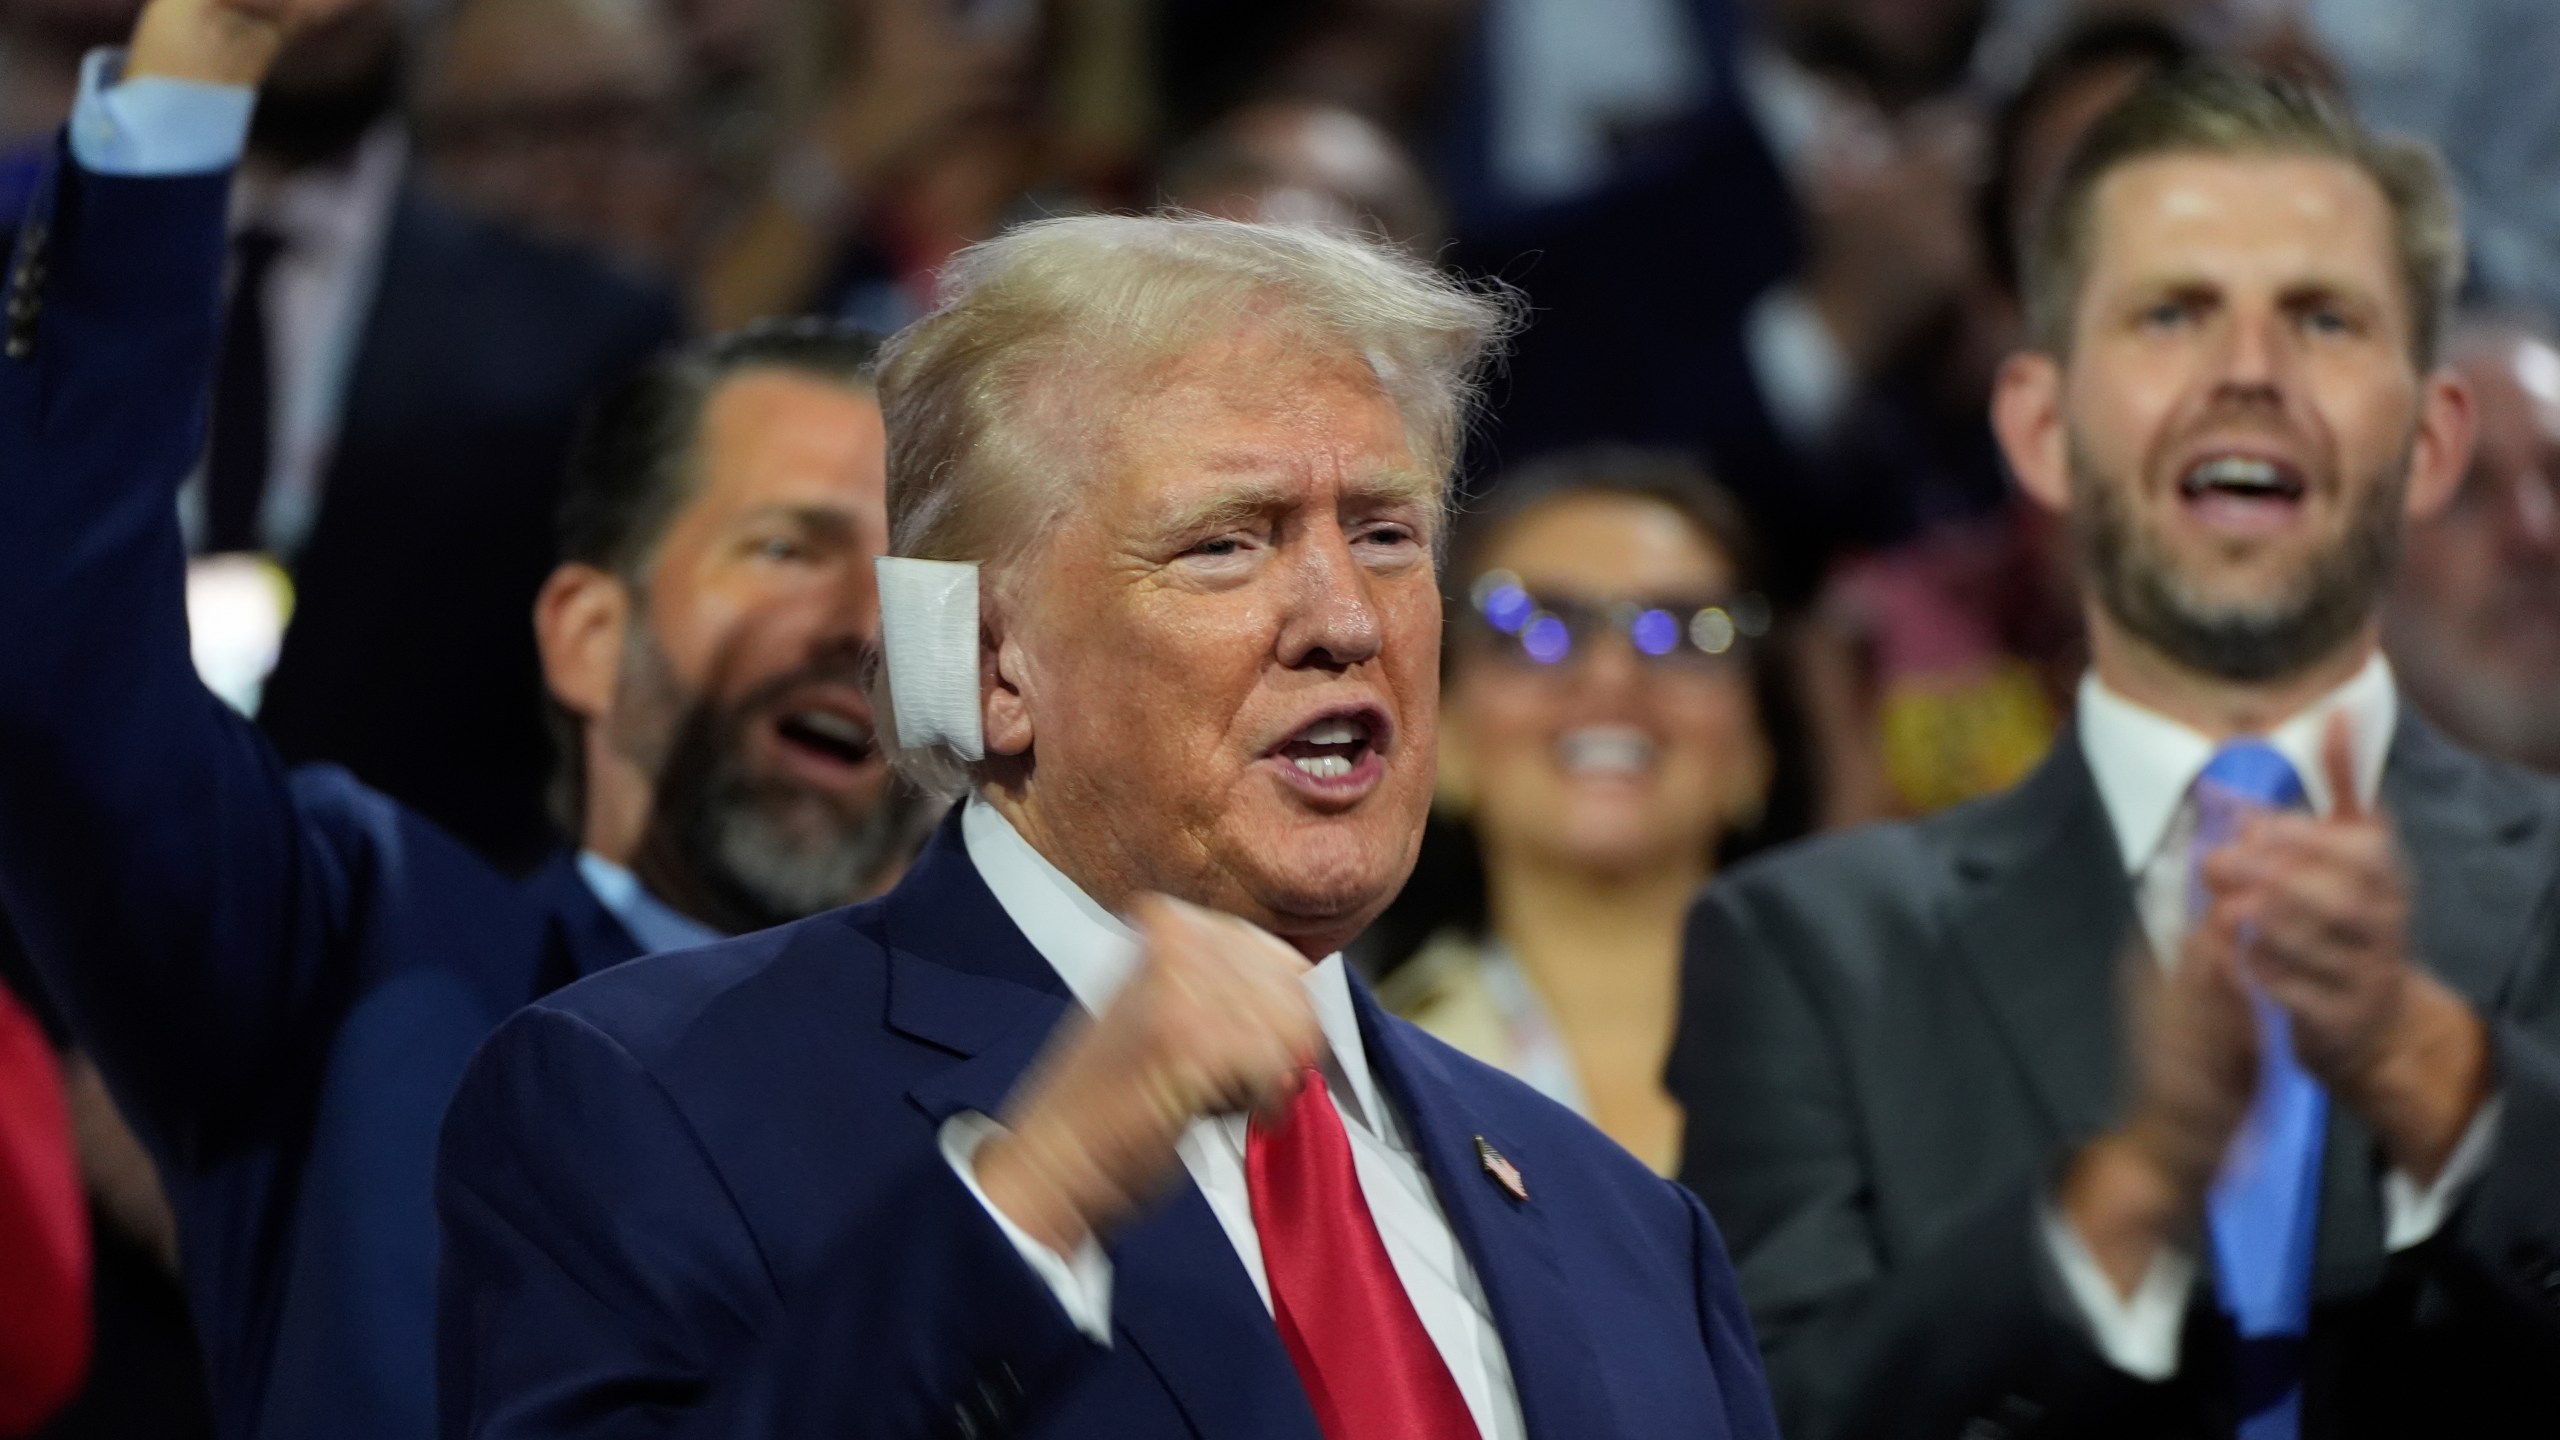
(1603, 738)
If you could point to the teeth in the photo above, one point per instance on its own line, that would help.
(832, 726)
(2237, 472)
(1335, 732)
(1606, 750)
(1324, 767)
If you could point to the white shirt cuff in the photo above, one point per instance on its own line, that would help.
(2411, 1214)
(2139, 1333)
(1804, 379)
(1082, 1283)
(156, 126)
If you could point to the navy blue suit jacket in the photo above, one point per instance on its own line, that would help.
(701, 1195)
(281, 973)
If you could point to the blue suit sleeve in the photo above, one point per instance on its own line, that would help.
(599, 1279)
(177, 902)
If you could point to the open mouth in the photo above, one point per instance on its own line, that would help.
(1328, 749)
(826, 738)
(1339, 751)
(1606, 752)
(2242, 491)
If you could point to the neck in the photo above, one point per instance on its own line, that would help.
(1595, 942)
(2216, 706)
(617, 803)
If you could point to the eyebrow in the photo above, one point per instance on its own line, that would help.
(1254, 498)
(2310, 285)
(821, 519)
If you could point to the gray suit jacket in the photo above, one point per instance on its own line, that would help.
(1889, 1038)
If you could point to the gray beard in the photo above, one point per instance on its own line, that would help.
(738, 852)
(2284, 634)
(770, 858)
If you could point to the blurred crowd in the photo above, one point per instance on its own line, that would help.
(1771, 249)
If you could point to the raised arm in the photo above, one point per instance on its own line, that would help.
(175, 899)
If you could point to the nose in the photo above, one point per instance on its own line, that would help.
(1610, 669)
(2254, 356)
(1332, 621)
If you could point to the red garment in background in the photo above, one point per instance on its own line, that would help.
(44, 1232)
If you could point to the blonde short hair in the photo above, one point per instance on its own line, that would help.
(1030, 328)
(2223, 107)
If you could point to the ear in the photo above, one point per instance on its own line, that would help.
(2448, 419)
(2026, 413)
(1003, 670)
(579, 621)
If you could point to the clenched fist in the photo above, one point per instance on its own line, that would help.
(221, 42)
(1215, 1020)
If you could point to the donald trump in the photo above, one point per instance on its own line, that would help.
(1085, 1130)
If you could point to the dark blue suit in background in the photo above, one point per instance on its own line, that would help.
(281, 974)
(701, 1195)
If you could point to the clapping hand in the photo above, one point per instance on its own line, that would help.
(2317, 908)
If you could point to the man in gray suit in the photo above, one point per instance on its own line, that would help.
(2209, 1081)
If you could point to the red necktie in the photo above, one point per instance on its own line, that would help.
(1370, 1368)
(44, 1232)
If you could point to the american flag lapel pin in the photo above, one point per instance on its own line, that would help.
(1504, 1173)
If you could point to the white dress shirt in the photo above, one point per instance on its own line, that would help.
(2145, 764)
(1094, 952)
(335, 221)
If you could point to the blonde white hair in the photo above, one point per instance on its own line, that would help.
(990, 399)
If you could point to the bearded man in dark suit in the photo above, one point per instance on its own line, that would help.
(2209, 1081)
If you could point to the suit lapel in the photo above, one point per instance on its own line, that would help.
(2041, 917)
(1511, 1243)
(1183, 1300)
(585, 936)
(964, 978)
(2467, 840)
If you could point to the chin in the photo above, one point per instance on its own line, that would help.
(1327, 880)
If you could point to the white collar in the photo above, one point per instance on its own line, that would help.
(1094, 951)
(2144, 762)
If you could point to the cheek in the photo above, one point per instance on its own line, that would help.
(1507, 718)
(2373, 420)
(1148, 698)
(1715, 734)
(2120, 408)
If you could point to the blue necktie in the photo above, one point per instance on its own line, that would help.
(2265, 1206)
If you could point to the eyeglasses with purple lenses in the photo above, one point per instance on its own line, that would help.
(1548, 630)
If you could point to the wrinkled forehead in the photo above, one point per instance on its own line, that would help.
(1249, 424)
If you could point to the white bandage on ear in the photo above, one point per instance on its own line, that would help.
(929, 639)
